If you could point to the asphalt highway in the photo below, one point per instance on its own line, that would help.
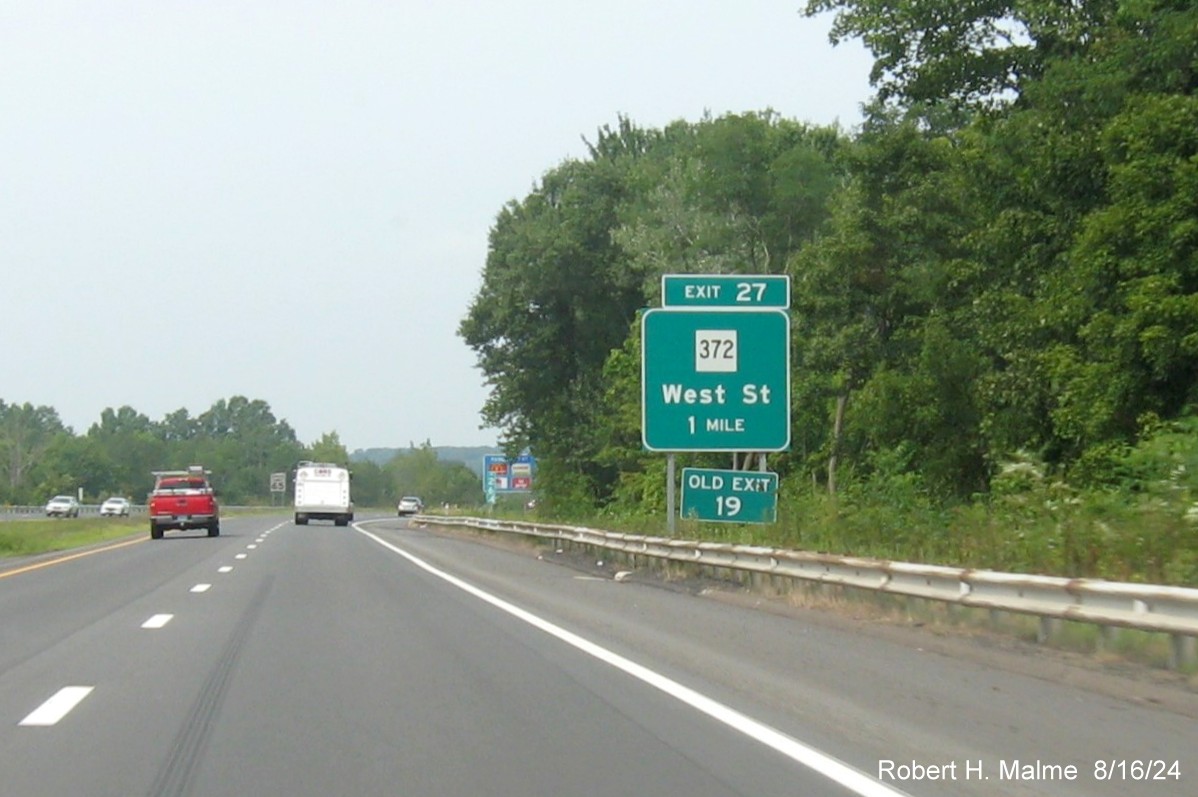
(383, 659)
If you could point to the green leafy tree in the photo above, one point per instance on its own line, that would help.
(549, 311)
(419, 472)
(177, 426)
(369, 485)
(876, 290)
(242, 443)
(329, 449)
(1133, 272)
(977, 52)
(26, 434)
(72, 463)
(570, 266)
(1082, 281)
(134, 447)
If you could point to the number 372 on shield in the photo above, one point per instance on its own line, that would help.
(715, 351)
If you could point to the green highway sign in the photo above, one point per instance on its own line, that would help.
(730, 496)
(715, 380)
(726, 291)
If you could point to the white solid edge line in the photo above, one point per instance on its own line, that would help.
(57, 707)
(158, 621)
(832, 768)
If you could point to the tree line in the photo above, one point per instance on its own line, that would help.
(994, 279)
(238, 439)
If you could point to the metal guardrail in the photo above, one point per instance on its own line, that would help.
(1145, 607)
(40, 510)
(86, 510)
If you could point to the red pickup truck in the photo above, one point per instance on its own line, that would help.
(183, 499)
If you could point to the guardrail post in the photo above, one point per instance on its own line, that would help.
(995, 618)
(1108, 637)
(1156, 609)
(1049, 628)
(1183, 651)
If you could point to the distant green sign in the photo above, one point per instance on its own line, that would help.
(715, 380)
(729, 496)
(726, 291)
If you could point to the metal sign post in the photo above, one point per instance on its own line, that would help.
(671, 515)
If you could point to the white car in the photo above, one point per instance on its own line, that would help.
(410, 505)
(115, 507)
(62, 506)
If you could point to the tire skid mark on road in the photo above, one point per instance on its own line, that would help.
(175, 777)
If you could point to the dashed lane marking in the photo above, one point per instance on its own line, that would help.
(57, 707)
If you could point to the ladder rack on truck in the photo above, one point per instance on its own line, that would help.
(183, 499)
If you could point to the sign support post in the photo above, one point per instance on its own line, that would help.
(715, 376)
(671, 515)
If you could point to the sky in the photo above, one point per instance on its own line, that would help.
(290, 200)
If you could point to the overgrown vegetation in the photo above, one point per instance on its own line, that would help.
(995, 293)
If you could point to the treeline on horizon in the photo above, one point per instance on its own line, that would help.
(238, 439)
(994, 291)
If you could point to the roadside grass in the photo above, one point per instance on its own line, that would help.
(1101, 536)
(1098, 535)
(44, 535)
(32, 536)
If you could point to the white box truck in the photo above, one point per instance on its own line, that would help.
(322, 493)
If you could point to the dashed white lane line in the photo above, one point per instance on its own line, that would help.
(158, 621)
(66, 699)
(241, 556)
(57, 707)
(251, 546)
